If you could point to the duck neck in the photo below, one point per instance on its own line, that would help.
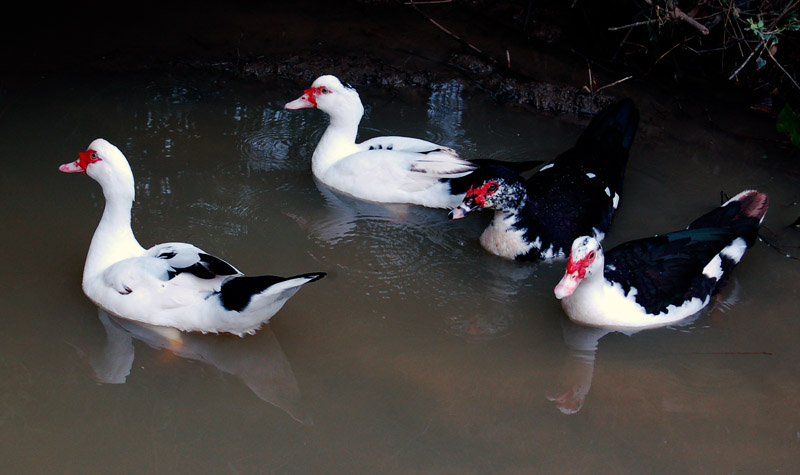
(510, 209)
(338, 141)
(505, 219)
(113, 239)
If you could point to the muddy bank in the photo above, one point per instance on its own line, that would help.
(368, 44)
(471, 71)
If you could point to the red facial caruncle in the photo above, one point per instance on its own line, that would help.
(88, 157)
(579, 267)
(479, 194)
(311, 94)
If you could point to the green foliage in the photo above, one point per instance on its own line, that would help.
(756, 28)
(788, 122)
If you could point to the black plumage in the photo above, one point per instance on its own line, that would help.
(236, 293)
(574, 194)
(668, 269)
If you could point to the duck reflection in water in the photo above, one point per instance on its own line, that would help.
(575, 378)
(258, 361)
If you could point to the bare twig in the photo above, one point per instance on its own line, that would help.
(592, 87)
(675, 13)
(631, 25)
(785, 10)
(760, 45)
(613, 83)
(678, 13)
(503, 65)
(663, 55)
(413, 5)
(784, 71)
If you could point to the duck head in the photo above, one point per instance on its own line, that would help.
(585, 259)
(492, 187)
(328, 94)
(106, 164)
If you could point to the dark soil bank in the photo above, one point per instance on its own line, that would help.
(545, 58)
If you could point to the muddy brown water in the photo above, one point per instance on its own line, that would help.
(419, 352)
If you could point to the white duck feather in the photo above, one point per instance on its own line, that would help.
(389, 169)
(173, 284)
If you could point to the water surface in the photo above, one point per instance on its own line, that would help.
(418, 351)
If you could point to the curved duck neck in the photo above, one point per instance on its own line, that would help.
(337, 142)
(113, 239)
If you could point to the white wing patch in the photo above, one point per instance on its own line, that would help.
(735, 250)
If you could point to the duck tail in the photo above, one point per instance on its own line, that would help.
(744, 212)
(614, 126)
(239, 292)
(735, 226)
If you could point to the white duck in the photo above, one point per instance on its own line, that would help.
(383, 169)
(174, 284)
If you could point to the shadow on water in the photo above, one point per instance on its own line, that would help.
(259, 362)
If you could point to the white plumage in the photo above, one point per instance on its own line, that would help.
(173, 284)
(383, 169)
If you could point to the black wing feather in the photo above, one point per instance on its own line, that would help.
(667, 269)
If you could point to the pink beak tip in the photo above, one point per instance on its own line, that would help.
(71, 167)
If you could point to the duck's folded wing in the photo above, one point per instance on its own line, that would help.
(404, 144)
(667, 269)
(153, 282)
(183, 257)
(425, 170)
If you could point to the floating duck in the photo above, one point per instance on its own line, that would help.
(173, 284)
(663, 279)
(574, 194)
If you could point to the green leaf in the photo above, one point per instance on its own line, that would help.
(788, 122)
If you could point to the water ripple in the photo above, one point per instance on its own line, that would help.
(406, 255)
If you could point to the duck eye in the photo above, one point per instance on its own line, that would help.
(325, 90)
(492, 188)
(591, 256)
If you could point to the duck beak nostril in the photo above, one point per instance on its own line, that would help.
(458, 212)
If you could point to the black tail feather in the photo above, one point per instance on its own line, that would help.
(751, 204)
(744, 214)
(236, 293)
(613, 126)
